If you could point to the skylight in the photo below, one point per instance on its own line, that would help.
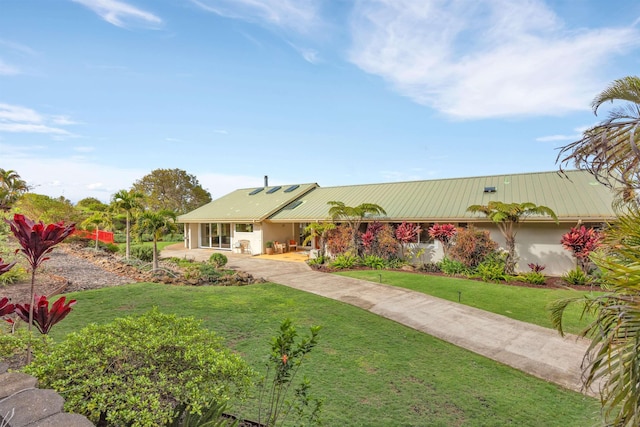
(489, 189)
(256, 191)
(290, 189)
(274, 189)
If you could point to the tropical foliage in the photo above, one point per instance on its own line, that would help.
(444, 233)
(353, 216)
(43, 317)
(581, 241)
(11, 188)
(129, 202)
(507, 216)
(157, 224)
(609, 150)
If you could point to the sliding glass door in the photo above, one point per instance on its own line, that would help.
(215, 235)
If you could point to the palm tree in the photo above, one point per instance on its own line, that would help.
(11, 188)
(610, 149)
(96, 221)
(318, 230)
(612, 360)
(507, 216)
(157, 224)
(128, 201)
(354, 215)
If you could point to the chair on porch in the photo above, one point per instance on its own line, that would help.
(279, 248)
(245, 246)
(293, 246)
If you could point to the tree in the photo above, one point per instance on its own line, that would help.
(11, 188)
(91, 204)
(127, 201)
(609, 150)
(48, 209)
(318, 230)
(353, 216)
(171, 189)
(507, 216)
(612, 359)
(96, 221)
(157, 224)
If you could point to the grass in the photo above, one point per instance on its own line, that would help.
(371, 371)
(161, 245)
(516, 302)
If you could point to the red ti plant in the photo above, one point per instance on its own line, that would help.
(444, 234)
(6, 308)
(43, 318)
(581, 241)
(37, 240)
(406, 233)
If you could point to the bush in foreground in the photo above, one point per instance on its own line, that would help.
(137, 370)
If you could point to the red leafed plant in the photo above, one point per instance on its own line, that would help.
(6, 308)
(444, 233)
(37, 240)
(5, 267)
(407, 232)
(43, 318)
(581, 241)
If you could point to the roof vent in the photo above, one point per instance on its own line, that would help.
(489, 189)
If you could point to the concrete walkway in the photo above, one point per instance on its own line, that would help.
(538, 351)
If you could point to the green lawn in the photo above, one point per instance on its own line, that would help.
(161, 245)
(520, 303)
(371, 371)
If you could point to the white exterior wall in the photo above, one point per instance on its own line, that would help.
(540, 244)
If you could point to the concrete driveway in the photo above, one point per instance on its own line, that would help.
(538, 351)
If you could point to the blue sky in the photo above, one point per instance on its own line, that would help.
(95, 94)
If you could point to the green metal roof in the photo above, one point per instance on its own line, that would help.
(241, 206)
(572, 196)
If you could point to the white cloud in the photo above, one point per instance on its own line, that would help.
(572, 137)
(298, 15)
(84, 149)
(121, 14)
(18, 119)
(8, 70)
(31, 128)
(489, 58)
(221, 131)
(75, 178)
(309, 55)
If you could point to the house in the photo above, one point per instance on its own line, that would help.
(280, 213)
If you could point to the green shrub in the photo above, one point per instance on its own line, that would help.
(218, 260)
(375, 262)
(343, 261)
(16, 274)
(208, 272)
(452, 267)
(13, 344)
(142, 252)
(576, 277)
(396, 263)
(109, 247)
(316, 261)
(533, 277)
(135, 371)
(119, 238)
(430, 267)
(492, 269)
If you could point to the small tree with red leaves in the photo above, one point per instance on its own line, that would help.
(582, 242)
(43, 317)
(444, 233)
(407, 233)
(37, 240)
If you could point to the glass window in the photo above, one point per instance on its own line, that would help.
(244, 228)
